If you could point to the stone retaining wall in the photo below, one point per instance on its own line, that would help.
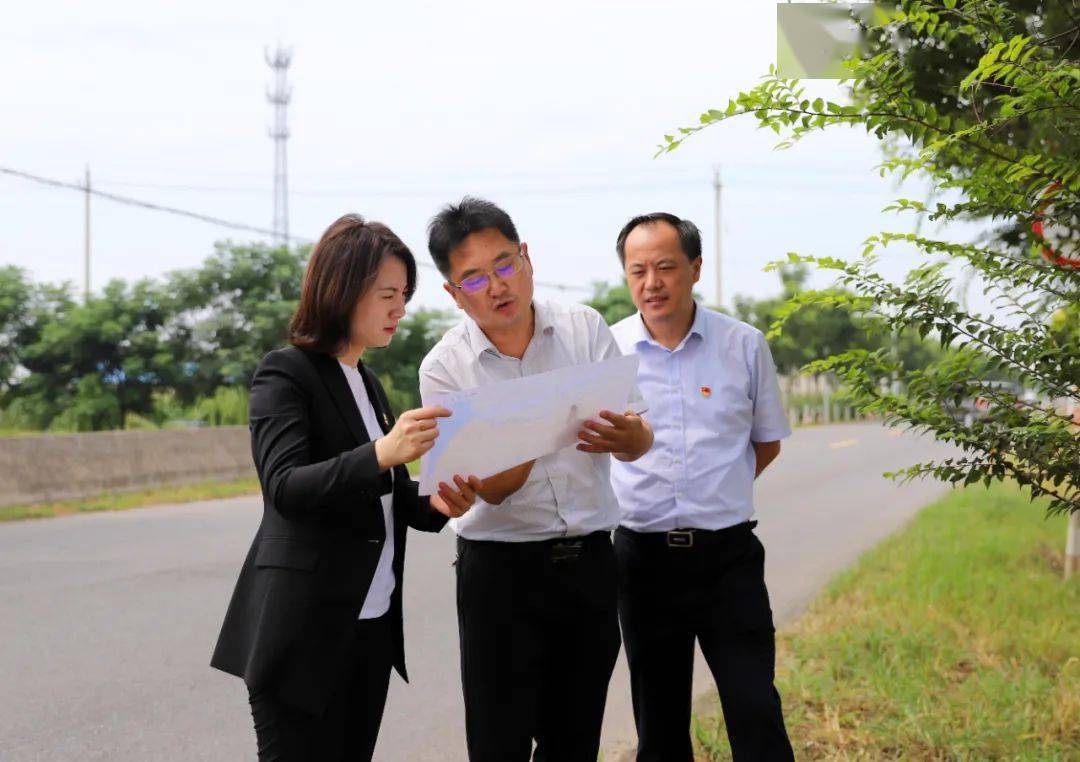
(62, 466)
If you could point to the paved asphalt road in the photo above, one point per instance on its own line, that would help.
(108, 620)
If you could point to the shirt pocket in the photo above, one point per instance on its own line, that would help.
(725, 405)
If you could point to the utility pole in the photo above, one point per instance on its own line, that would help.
(279, 97)
(86, 236)
(718, 187)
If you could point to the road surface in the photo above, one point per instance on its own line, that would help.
(108, 620)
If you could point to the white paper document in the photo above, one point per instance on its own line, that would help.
(501, 425)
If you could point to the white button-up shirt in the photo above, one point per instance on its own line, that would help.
(568, 493)
(707, 399)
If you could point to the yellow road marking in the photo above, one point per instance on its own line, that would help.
(843, 443)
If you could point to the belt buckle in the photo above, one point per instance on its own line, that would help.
(680, 538)
(566, 551)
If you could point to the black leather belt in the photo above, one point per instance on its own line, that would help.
(555, 549)
(680, 538)
(687, 538)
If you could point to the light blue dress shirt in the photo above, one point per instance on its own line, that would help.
(707, 400)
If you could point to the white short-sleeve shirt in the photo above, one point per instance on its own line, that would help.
(708, 400)
(568, 493)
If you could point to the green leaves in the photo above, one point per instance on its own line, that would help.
(1001, 139)
(95, 365)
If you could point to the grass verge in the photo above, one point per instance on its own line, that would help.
(186, 493)
(954, 639)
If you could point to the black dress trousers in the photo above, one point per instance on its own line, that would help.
(675, 587)
(539, 636)
(350, 725)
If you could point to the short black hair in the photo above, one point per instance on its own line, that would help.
(456, 222)
(689, 235)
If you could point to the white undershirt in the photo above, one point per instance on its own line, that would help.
(377, 601)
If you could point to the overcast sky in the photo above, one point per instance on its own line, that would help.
(553, 110)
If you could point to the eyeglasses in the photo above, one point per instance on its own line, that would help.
(505, 267)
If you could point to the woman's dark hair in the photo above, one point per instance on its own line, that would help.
(689, 235)
(454, 223)
(342, 268)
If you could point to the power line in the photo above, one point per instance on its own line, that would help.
(147, 204)
(429, 191)
(819, 180)
(220, 222)
(656, 172)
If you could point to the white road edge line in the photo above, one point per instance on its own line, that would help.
(843, 443)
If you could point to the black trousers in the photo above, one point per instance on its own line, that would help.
(350, 725)
(710, 586)
(539, 636)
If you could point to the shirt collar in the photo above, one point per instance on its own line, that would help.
(480, 343)
(699, 327)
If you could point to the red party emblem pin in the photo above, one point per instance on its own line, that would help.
(706, 391)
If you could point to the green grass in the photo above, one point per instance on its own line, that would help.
(16, 432)
(186, 493)
(954, 639)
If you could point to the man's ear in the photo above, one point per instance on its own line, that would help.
(453, 294)
(696, 267)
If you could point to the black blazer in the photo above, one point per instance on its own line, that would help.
(289, 626)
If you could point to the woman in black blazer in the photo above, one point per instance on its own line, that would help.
(315, 623)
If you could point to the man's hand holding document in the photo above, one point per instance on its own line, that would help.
(507, 423)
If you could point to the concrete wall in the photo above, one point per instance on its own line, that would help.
(61, 466)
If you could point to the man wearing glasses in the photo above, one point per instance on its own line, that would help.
(536, 576)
